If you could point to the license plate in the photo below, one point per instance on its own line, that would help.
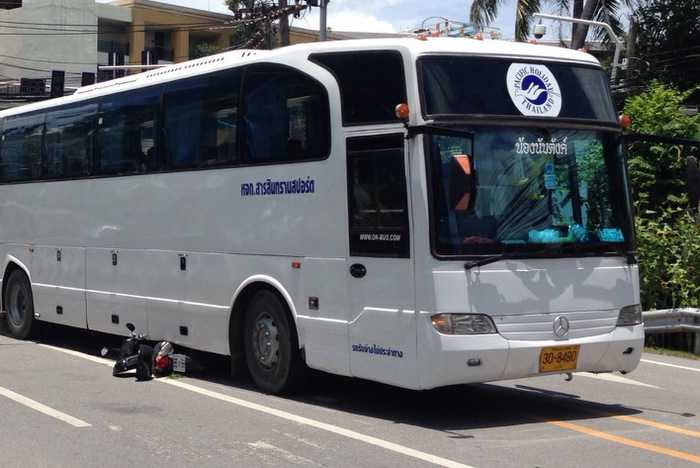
(179, 363)
(559, 358)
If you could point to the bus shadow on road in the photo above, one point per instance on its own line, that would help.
(452, 410)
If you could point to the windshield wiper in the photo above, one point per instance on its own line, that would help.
(413, 130)
(486, 260)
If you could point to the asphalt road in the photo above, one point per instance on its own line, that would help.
(61, 407)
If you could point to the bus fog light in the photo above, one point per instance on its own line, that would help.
(463, 324)
(630, 315)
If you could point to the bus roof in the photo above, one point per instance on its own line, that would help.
(412, 45)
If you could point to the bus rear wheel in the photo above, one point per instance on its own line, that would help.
(19, 305)
(271, 346)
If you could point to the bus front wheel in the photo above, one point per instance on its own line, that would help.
(271, 345)
(19, 305)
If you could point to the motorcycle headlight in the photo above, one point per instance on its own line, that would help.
(463, 324)
(630, 315)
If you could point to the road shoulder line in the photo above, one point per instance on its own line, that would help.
(42, 408)
(377, 442)
(667, 364)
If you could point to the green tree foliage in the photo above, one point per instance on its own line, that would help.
(657, 171)
(668, 246)
(668, 234)
(243, 34)
(483, 12)
(204, 49)
(668, 42)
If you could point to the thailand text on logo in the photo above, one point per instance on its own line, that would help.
(533, 89)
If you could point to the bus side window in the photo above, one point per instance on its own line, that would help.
(286, 116)
(220, 113)
(182, 122)
(201, 121)
(69, 141)
(126, 133)
(371, 84)
(377, 197)
(21, 148)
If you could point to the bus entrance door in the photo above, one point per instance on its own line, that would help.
(382, 329)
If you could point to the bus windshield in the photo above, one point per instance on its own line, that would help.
(456, 85)
(528, 190)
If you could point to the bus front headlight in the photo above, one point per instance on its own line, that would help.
(630, 315)
(463, 324)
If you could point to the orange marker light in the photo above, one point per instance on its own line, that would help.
(296, 264)
(625, 121)
(402, 111)
(478, 36)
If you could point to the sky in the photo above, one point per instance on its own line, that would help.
(385, 15)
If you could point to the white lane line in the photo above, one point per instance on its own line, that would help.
(377, 442)
(36, 406)
(658, 363)
(615, 378)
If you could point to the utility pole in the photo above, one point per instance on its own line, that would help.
(323, 33)
(631, 43)
(284, 25)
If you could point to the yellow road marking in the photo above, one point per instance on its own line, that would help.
(629, 442)
(658, 425)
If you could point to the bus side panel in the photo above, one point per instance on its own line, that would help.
(115, 291)
(202, 284)
(58, 282)
(323, 314)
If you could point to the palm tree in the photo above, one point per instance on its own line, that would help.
(483, 12)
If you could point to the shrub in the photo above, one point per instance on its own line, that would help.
(668, 235)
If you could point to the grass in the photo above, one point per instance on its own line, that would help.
(671, 352)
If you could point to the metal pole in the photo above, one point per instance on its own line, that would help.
(608, 28)
(284, 25)
(323, 33)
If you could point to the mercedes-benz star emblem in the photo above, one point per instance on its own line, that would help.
(561, 326)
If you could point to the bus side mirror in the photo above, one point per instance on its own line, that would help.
(462, 183)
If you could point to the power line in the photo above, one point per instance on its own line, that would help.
(34, 69)
(45, 60)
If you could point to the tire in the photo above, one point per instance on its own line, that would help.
(271, 345)
(19, 305)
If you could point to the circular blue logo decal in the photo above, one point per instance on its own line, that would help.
(533, 89)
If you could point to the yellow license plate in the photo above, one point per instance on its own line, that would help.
(559, 358)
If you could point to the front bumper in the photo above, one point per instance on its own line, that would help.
(443, 358)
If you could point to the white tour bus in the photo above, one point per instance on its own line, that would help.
(280, 208)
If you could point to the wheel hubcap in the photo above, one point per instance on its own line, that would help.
(265, 341)
(17, 309)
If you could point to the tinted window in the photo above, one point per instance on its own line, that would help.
(69, 141)
(201, 121)
(473, 85)
(377, 196)
(371, 84)
(21, 148)
(528, 197)
(286, 116)
(127, 133)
